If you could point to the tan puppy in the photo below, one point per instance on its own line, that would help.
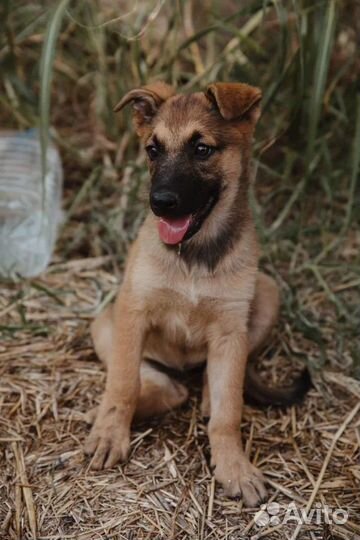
(192, 289)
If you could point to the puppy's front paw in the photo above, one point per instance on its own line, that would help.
(240, 478)
(109, 440)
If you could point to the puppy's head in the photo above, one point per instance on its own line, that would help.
(198, 148)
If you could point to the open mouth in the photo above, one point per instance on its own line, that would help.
(173, 231)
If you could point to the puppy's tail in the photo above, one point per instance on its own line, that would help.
(258, 393)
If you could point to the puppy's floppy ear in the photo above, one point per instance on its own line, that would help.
(146, 102)
(235, 100)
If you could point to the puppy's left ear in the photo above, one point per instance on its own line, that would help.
(235, 101)
(146, 102)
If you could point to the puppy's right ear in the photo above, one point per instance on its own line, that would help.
(235, 101)
(146, 102)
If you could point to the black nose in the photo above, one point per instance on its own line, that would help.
(163, 201)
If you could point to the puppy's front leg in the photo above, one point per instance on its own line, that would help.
(227, 358)
(109, 440)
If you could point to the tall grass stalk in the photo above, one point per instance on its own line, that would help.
(46, 74)
(323, 55)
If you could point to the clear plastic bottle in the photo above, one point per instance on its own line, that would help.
(30, 207)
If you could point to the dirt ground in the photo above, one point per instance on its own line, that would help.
(50, 378)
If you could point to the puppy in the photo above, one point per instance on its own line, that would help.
(192, 289)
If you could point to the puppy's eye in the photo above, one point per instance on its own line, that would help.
(203, 151)
(152, 152)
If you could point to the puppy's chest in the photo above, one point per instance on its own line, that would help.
(175, 305)
(180, 318)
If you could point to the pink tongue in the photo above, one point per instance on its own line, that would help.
(172, 231)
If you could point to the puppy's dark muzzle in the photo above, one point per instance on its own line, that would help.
(164, 202)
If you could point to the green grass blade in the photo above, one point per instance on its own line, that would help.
(46, 72)
(320, 74)
(355, 169)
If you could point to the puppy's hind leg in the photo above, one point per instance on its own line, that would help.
(158, 392)
(101, 332)
(264, 312)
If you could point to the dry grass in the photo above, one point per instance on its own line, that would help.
(49, 380)
(308, 220)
